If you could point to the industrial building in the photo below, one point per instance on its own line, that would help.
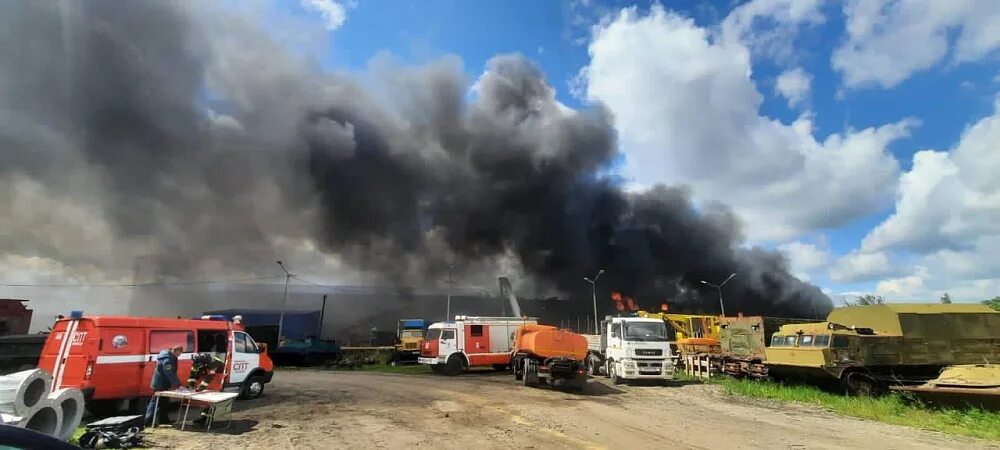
(15, 317)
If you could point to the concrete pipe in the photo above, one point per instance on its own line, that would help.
(69, 402)
(22, 393)
(46, 420)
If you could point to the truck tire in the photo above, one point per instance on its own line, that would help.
(253, 387)
(862, 384)
(530, 376)
(615, 379)
(593, 367)
(455, 366)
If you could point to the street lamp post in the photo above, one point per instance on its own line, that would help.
(593, 285)
(719, 286)
(447, 314)
(284, 305)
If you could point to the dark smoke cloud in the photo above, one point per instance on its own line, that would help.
(209, 145)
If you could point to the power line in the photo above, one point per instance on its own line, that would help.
(129, 285)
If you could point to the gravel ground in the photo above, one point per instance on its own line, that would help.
(313, 409)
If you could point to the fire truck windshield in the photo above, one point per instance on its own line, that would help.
(645, 331)
(433, 334)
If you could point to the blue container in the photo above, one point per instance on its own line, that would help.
(413, 324)
(296, 324)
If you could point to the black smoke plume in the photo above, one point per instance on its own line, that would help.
(205, 144)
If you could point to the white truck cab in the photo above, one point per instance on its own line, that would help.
(632, 348)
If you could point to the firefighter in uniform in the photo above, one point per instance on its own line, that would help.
(204, 367)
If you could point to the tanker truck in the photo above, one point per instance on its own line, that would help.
(546, 354)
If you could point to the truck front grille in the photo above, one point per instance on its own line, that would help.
(648, 352)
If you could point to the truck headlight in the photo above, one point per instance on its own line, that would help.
(629, 364)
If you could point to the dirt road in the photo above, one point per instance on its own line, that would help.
(322, 410)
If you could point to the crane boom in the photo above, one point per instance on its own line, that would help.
(508, 291)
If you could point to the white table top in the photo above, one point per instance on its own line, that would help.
(214, 397)
(175, 394)
(203, 396)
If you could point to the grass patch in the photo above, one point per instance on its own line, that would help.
(75, 438)
(893, 408)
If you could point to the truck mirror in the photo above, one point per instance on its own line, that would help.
(263, 347)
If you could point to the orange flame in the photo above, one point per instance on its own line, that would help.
(616, 296)
(664, 307)
(619, 306)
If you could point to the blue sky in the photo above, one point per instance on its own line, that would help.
(890, 77)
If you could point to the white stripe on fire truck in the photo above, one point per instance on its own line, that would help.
(118, 359)
(64, 349)
(115, 359)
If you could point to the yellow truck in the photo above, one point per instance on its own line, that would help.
(693, 333)
(409, 337)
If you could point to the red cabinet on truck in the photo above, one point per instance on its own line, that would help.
(451, 347)
(112, 358)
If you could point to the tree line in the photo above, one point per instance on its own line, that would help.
(872, 299)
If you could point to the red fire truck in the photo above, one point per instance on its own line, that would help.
(452, 347)
(112, 358)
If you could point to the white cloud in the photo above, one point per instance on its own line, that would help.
(805, 258)
(859, 266)
(947, 219)
(947, 200)
(887, 42)
(688, 112)
(794, 85)
(334, 13)
(910, 287)
(769, 27)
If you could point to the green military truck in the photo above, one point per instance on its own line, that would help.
(869, 348)
(742, 341)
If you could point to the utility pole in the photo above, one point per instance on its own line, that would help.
(284, 304)
(719, 286)
(322, 313)
(593, 285)
(447, 313)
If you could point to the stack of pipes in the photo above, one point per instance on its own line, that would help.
(27, 400)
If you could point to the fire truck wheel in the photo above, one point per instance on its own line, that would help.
(454, 366)
(253, 387)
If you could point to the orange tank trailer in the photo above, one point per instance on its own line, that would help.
(546, 354)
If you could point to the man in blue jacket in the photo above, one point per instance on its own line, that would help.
(164, 378)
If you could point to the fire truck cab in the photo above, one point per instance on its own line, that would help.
(452, 347)
(112, 358)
